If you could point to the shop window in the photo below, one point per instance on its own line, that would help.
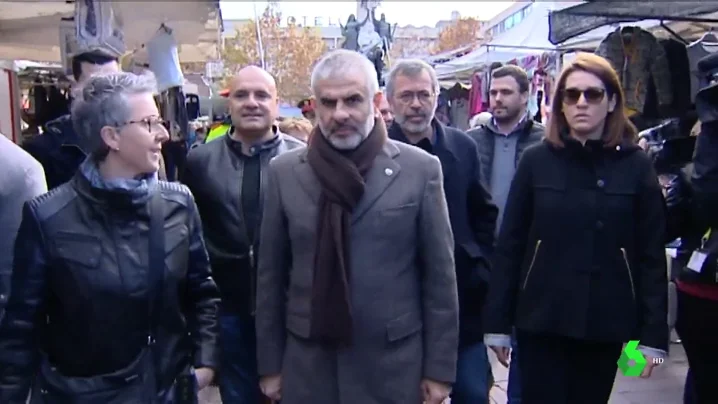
(508, 23)
(527, 10)
(517, 17)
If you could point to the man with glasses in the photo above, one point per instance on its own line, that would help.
(501, 143)
(412, 91)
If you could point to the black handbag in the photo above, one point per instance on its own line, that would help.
(137, 382)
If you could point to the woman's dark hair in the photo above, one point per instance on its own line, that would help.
(94, 58)
(618, 127)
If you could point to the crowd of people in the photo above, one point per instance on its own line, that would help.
(371, 255)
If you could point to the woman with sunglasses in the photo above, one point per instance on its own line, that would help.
(580, 266)
(112, 298)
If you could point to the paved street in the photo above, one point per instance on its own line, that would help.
(664, 387)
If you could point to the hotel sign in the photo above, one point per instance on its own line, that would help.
(307, 21)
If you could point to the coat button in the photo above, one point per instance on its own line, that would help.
(599, 225)
(3, 298)
(600, 183)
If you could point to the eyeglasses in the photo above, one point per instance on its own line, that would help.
(153, 124)
(424, 97)
(593, 95)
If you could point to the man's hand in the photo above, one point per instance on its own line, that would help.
(271, 386)
(434, 392)
(643, 143)
(650, 364)
(204, 377)
(503, 354)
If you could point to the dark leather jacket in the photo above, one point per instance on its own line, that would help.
(214, 174)
(79, 288)
(58, 150)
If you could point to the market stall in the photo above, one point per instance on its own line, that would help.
(686, 18)
(47, 31)
(9, 101)
(30, 30)
(663, 84)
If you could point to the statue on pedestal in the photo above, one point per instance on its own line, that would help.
(351, 31)
(364, 38)
(384, 29)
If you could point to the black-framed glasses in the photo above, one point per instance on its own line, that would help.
(592, 95)
(153, 124)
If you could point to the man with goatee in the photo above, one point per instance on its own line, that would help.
(356, 290)
(227, 178)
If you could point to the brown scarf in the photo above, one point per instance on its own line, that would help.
(341, 175)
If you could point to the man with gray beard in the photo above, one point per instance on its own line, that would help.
(356, 290)
(412, 90)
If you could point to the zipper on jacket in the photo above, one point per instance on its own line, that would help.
(630, 275)
(253, 241)
(533, 261)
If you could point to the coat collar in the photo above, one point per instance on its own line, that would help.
(382, 174)
(443, 146)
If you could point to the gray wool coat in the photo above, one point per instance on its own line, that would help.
(403, 284)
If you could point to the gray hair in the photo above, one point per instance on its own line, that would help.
(410, 68)
(340, 61)
(102, 101)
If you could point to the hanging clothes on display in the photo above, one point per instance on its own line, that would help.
(458, 96)
(697, 50)
(679, 67)
(164, 59)
(164, 63)
(442, 108)
(475, 95)
(539, 95)
(638, 58)
(97, 29)
(49, 102)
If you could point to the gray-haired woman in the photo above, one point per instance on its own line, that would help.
(112, 299)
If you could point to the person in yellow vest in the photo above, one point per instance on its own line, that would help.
(219, 130)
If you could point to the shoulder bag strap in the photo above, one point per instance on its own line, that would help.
(156, 269)
(155, 280)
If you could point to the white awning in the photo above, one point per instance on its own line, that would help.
(30, 30)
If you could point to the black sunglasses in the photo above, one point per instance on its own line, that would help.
(592, 95)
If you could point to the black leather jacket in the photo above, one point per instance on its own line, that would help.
(79, 288)
(214, 174)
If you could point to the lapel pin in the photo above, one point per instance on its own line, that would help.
(388, 171)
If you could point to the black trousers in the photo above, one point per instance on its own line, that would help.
(175, 155)
(697, 324)
(562, 370)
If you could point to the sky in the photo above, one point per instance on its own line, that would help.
(397, 11)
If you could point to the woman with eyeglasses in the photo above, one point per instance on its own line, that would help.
(112, 300)
(580, 265)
